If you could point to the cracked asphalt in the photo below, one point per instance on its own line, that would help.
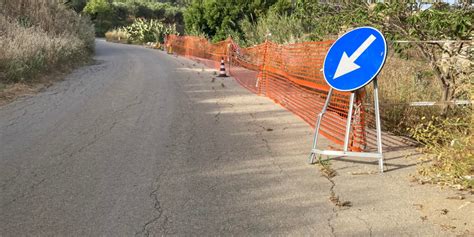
(143, 143)
(147, 144)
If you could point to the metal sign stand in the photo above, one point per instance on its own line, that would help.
(315, 151)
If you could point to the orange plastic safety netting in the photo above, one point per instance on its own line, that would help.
(288, 74)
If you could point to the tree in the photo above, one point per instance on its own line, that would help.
(102, 13)
(217, 19)
(442, 34)
(94, 7)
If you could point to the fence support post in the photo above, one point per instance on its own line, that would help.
(263, 71)
(229, 54)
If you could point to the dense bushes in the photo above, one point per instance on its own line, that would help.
(287, 21)
(39, 37)
(141, 31)
(217, 19)
(108, 15)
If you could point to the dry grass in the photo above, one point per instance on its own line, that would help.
(403, 81)
(117, 36)
(39, 35)
(400, 82)
(448, 142)
(10, 92)
(24, 52)
(448, 150)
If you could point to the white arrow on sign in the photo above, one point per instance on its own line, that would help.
(347, 64)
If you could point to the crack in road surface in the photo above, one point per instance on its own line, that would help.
(137, 146)
(157, 209)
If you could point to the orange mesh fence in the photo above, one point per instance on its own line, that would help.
(288, 74)
(247, 66)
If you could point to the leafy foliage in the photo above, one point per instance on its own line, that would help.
(101, 12)
(451, 62)
(98, 7)
(113, 14)
(217, 19)
(142, 31)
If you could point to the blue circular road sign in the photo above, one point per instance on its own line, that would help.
(355, 59)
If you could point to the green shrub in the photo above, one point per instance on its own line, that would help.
(218, 18)
(101, 12)
(277, 28)
(108, 15)
(141, 31)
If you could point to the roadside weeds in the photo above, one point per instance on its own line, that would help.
(329, 173)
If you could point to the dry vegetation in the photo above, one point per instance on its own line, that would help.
(117, 36)
(400, 82)
(448, 146)
(141, 31)
(447, 138)
(40, 35)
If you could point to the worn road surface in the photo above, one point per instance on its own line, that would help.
(143, 143)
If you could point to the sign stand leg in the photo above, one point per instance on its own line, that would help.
(339, 70)
(318, 125)
(378, 126)
(315, 151)
(348, 124)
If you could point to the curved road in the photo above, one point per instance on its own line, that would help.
(143, 143)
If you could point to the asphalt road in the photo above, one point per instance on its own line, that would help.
(148, 144)
(143, 143)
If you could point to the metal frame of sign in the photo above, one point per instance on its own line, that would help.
(345, 152)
